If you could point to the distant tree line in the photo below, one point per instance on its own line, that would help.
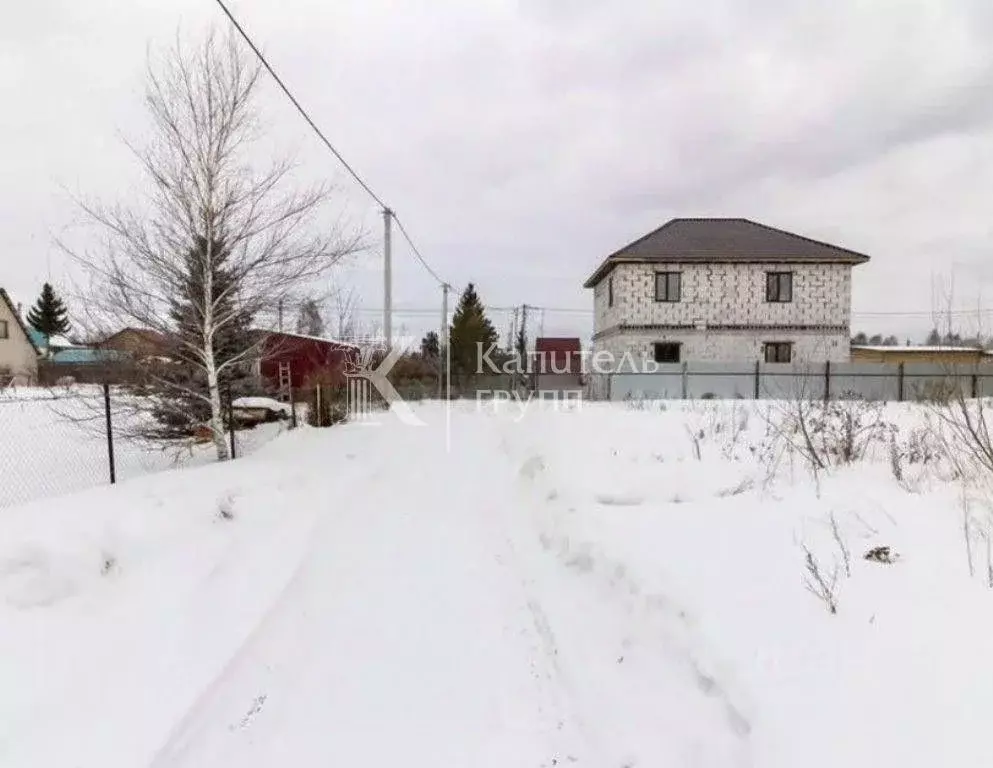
(934, 339)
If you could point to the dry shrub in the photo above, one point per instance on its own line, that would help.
(917, 454)
(936, 392)
(826, 434)
(327, 397)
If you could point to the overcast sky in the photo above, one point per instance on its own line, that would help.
(521, 142)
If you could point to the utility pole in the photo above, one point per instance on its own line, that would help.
(524, 327)
(388, 277)
(524, 360)
(443, 343)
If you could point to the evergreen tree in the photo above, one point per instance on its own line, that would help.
(49, 315)
(471, 335)
(183, 404)
(933, 338)
(430, 346)
(891, 341)
(310, 322)
(860, 338)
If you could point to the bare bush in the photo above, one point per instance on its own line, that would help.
(820, 583)
(743, 485)
(827, 434)
(695, 437)
(846, 555)
(915, 454)
(964, 431)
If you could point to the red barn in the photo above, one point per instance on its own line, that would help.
(558, 356)
(292, 359)
(558, 364)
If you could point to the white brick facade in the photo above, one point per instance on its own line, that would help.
(728, 346)
(722, 314)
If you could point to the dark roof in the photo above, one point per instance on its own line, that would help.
(153, 337)
(724, 240)
(13, 310)
(557, 344)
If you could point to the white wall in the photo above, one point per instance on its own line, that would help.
(729, 294)
(726, 294)
(16, 352)
(729, 346)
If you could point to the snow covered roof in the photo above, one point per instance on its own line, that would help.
(260, 403)
(921, 349)
(310, 338)
(43, 342)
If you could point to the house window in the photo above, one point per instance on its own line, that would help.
(610, 291)
(779, 352)
(667, 286)
(666, 352)
(779, 287)
(3, 330)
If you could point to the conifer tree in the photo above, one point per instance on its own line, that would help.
(49, 315)
(430, 347)
(184, 405)
(471, 335)
(310, 322)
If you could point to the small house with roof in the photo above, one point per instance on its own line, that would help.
(18, 353)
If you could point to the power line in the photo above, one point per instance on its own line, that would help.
(324, 139)
(925, 313)
(296, 104)
(417, 253)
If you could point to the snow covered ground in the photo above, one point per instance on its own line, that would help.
(55, 442)
(607, 587)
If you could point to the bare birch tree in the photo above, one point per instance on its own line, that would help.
(344, 306)
(214, 234)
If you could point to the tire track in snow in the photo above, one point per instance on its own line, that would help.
(666, 621)
(195, 720)
(430, 609)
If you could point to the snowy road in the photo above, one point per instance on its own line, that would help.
(417, 631)
(611, 588)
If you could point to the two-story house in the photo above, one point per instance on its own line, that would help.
(724, 290)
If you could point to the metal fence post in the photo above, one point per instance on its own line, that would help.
(974, 385)
(827, 381)
(293, 410)
(319, 415)
(234, 450)
(899, 383)
(758, 373)
(685, 381)
(110, 433)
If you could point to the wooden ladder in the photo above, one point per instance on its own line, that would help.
(285, 380)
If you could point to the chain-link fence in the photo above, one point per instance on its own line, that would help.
(65, 439)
